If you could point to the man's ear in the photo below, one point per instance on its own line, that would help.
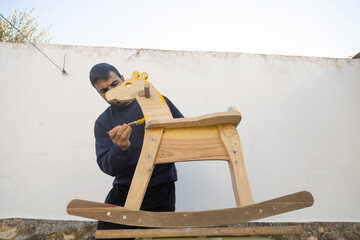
(122, 78)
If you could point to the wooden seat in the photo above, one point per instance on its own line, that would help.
(230, 117)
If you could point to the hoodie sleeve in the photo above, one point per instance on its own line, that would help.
(174, 111)
(110, 158)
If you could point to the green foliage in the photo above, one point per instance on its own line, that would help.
(28, 26)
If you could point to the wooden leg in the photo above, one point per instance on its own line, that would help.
(144, 168)
(241, 185)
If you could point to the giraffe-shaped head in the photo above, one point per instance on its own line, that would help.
(152, 103)
(128, 90)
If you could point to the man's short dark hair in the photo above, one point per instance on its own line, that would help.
(102, 71)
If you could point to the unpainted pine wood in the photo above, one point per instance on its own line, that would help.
(150, 100)
(199, 232)
(240, 181)
(208, 218)
(144, 168)
(125, 92)
(153, 107)
(213, 119)
(191, 144)
(84, 204)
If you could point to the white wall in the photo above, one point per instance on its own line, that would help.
(300, 127)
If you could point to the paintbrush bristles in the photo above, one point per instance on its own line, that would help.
(137, 122)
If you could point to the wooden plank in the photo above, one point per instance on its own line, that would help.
(144, 168)
(213, 119)
(125, 92)
(83, 204)
(209, 218)
(240, 181)
(199, 232)
(153, 108)
(191, 144)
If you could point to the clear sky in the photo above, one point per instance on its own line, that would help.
(300, 27)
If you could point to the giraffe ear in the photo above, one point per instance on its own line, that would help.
(144, 76)
(135, 75)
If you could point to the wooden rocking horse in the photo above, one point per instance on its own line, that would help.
(209, 137)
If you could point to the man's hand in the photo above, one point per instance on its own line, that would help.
(120, 136)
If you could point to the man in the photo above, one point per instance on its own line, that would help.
(118, 147)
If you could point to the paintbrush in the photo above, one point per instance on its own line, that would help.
(137, 122)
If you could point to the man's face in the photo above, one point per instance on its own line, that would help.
(102, 86)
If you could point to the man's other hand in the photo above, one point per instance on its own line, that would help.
(120, 136)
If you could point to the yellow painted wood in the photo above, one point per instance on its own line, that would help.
(153, 108)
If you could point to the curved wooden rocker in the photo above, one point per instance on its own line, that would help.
(209, 137)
